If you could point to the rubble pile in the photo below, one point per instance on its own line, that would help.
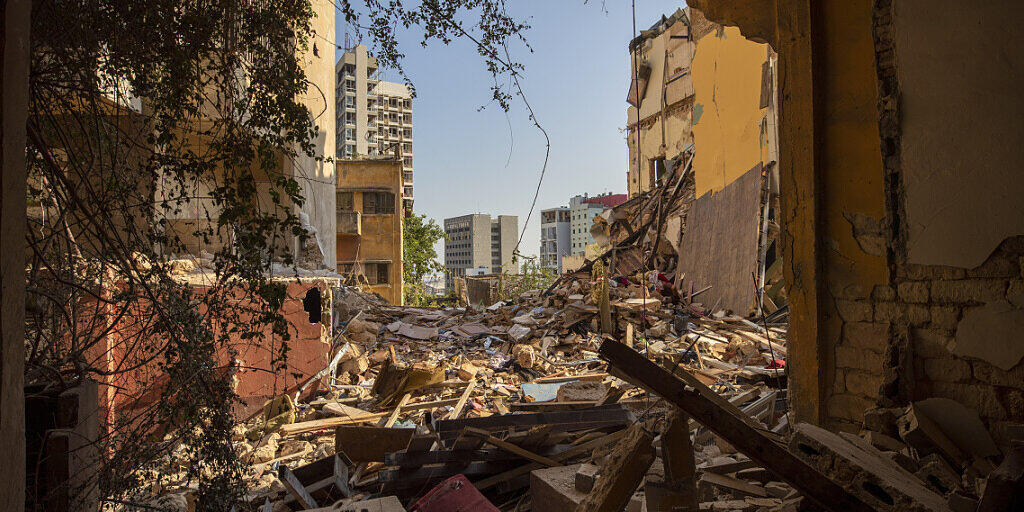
(611, 390)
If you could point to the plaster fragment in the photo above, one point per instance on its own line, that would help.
(991, 333)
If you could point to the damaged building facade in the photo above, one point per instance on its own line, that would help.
(903, 276)
(370, 225)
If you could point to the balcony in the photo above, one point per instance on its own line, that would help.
(349, 223)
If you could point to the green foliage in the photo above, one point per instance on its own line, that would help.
(531, 276)
(419, 234)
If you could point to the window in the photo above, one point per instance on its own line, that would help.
(377, 273)
(350, 134)
(345, 201)
(380, 203)
(407, 133)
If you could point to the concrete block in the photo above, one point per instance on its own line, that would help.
(945, 317)
(555, 488)
(854, 311)
(863, 383)
(883, 292)
(913, 291)
(848, 406)
(859, 358)
(586, 475)
(866, 335)
(968, 291)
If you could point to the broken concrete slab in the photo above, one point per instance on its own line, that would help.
(961, 425)
(991, 333)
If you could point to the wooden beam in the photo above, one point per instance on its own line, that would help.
(680, 467)
(462, 400)
(732, 427)
(296, 488)
(511, 448)
(586, 447)
(621, 473)
(398, 410)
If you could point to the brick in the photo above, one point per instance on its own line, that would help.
(948, 369)
(866, 335)
(913, 291)
(888, 311)
(999, 265)
(848, 407)
(1015, 293)
(988, 373)
(945, 317)
(968, 291)
(930, 342)
(917, 315)
(923, 272)
(978, 396)
(1013, 399)
(854, 311)
(864, 383)
(862, 359)
(883, 292)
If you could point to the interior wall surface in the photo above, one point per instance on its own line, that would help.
(316, 175)
(958, 68)
(727, 115)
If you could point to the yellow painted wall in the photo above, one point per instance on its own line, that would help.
(381, 238)
(726, 118)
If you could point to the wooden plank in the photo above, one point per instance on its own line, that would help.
(561, 457)
(724, 224)
(295, 488)
(412, 460)
(680, 490)
(594, 417)
(462, 400)
(733, 428)
(621, 473)
(511, 448)
(441, 471)
(734, 485)
(328, 423)
(393, 417)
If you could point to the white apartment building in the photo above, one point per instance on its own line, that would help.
(374, 117)
(554, 237)
(581, 214)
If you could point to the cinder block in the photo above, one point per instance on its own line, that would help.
(555, 488)
(863, 471)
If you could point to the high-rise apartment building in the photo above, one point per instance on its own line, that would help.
(555, 233)
(374, 117)
(477, 240)
(582, 210)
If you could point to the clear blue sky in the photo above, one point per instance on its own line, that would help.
(575, 79)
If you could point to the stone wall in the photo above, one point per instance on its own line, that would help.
(897, 346)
